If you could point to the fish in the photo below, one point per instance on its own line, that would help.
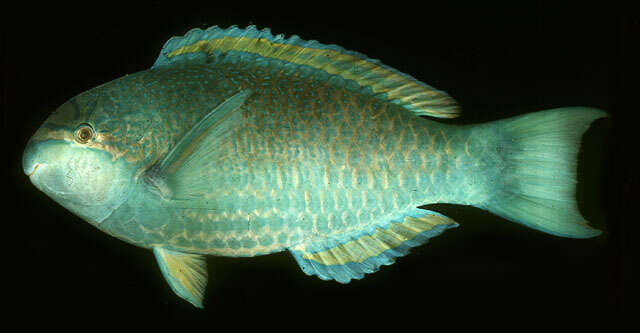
(239, 143)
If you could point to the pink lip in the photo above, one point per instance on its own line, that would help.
(35, 167)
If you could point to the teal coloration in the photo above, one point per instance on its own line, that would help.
(237, 57)
(537, 185)
(352, 270)
(186, 274)
(240, 143)
(346, 272)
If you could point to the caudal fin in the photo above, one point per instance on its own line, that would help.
(537, 187)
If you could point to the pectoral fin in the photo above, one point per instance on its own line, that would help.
(190, 159)
(186, 273)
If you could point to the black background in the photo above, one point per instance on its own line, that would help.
(497, 60)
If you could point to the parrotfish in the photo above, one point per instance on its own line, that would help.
(239, 143)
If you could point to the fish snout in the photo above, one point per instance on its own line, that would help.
(30, 159)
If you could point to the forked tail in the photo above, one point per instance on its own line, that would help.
(538, 184)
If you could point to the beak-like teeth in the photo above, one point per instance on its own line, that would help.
(35, 167)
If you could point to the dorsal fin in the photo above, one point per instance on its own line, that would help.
(206, 46)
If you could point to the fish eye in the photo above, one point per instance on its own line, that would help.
(84, 133)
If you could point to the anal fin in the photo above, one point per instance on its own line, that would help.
(186, 273)
(356, 256)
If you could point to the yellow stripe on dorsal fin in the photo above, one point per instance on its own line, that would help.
(216, 45)
(353, 257)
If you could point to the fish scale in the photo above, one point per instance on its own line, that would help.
(361, 139)
(344, 156)
(241, 143)
(347, 152)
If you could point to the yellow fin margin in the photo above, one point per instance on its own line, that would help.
(366, 253)
(396, 86)
(186, 273)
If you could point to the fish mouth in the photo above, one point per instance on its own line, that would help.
(35, 167)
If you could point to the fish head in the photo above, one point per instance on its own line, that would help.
(74, 159)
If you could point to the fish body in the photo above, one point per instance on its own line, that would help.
(295, 167)
(240, 143)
